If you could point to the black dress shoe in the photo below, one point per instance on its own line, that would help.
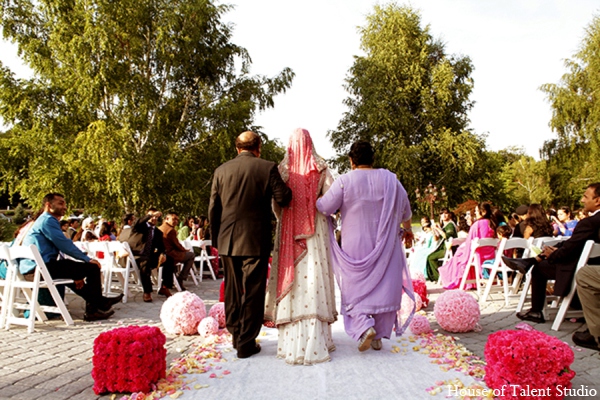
(111, 301)
(519, 264)
(585, 339)
(97, 315)
(533, 316)
(252, 352)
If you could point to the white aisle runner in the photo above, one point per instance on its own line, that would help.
(397, 372)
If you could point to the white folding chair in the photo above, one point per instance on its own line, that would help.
(476, 244)
(499, 266)
(118, 261)
(204, 257)
(590, 250)
(30, 290)
(186, 244)
(537, 243)
(450, 243)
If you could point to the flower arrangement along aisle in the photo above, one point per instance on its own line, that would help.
(182, 313)
(129, 359)
(457, 311)
(528, 365)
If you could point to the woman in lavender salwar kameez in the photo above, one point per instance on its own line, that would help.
(485, 227)
(370, 266)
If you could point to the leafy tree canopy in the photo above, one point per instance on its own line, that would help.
(410, 100)
(575, 102)
(132, 103)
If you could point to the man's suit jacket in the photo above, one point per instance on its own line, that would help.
(240, 205)
(137, 241)
(566, 256)
(173, 248)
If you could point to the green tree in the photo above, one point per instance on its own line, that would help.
(575, 102)
(132, 103)
(410, 100)
(20, 214)
(527, 181)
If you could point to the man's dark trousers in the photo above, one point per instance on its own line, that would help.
(245, 284)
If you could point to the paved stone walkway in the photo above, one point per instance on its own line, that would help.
(55, 362)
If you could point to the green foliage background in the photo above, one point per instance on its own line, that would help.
(135, 103)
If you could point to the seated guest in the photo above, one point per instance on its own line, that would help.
(64, 227)
(521, 212)
(463, 227)
(126, 224)
(484, 227)
(559, 262)
(448, 230)
(176, 253)
(513, 221)
(73, 225)
(588, 288)
(564, 223)
(105, 234)
(46, 235)
(428, 242)
(148, 247)
(186, 230)
(536, 223)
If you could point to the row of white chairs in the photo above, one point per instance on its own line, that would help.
(18, 294)
(556, 306)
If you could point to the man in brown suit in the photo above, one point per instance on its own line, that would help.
(176, 253)
(240, 218)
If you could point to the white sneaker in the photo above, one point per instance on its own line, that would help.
(376, 344)
(365, 340)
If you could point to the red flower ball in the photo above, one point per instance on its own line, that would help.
(519, 361)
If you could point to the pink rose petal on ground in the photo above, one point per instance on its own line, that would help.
(524, 326)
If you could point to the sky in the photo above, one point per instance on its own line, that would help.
(515, 47)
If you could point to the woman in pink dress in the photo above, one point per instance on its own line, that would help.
(484, 227)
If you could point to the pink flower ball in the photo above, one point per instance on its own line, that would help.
(418, 276)
(419, 324)
(208, 326)
(182, 313)
(457, 311)
(217, 311)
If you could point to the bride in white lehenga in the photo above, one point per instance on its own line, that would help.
(300, 294)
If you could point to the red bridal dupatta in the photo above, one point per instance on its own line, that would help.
(301, 169)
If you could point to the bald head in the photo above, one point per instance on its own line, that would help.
(248, 141)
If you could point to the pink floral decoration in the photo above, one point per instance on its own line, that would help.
(418, 276)
(208, 326)
(457, 311)
(182, 312)
(528, 360)
(217, 311)
(407, 306)
(524, 326)
(420, 288)
(419, 324)
(129, 359)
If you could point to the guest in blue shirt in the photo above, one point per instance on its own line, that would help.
(47, 236)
